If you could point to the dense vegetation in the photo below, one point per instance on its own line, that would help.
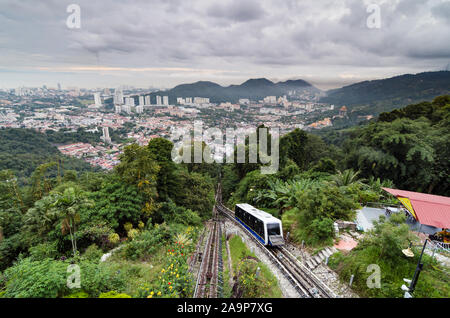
(23, 150)
(148, 207)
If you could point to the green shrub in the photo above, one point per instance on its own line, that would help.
(113, 294)
(133, 233)
(321, 230)
(127, 226)
(36, 279)
(114, 238)
(48, 278)
(171, 213)
(146, 243)
(93, 253)
(99, 278)
(43, 251)
(79, 294)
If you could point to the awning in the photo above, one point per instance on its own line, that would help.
(433, 210)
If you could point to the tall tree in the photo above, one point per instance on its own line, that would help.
(68, 204)
(139, 167)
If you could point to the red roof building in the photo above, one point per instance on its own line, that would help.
(428, 209)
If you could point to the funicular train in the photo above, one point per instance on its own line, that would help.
(262, 225)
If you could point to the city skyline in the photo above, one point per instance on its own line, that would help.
(163, 44)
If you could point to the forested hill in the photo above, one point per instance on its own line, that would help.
(254, 89)
(23, 150)
(374, 97)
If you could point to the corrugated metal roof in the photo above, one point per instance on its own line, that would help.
(430, 209)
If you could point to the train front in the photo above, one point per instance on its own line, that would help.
(275, 234)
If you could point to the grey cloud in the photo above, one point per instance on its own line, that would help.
(246, 36)
(442, 11)
(237, 10)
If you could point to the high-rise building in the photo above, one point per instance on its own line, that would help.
(126, 109)
(106, 138)
(59, 86)
(201, 100)
(147, 100)
(141, 100)
(118, 109)
(166, 100)
(158, 101)
(129, 101)
(118, 97)
(139, 109)
(270, 100)
(97, 100)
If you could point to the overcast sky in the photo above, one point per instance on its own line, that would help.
(164, 43)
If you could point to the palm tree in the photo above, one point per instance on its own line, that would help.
(68, 204)
(283, 195)
(346, 178)
(41, 218)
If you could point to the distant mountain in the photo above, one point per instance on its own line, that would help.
(373, 97)
(255, 89)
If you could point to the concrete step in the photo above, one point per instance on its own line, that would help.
(310, 265)
(318, 259)
(328, 252)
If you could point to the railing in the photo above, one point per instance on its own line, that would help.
(380, 205)
(440, 246)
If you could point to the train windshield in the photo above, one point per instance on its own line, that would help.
(273, 229)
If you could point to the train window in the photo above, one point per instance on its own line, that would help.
(273, 229)
(260, 228)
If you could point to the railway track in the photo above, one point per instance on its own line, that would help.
(209, 278)
(302, 279)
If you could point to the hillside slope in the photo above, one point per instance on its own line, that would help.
(374, 97)
(23, 150)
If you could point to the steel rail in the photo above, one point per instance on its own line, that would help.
(304, 281)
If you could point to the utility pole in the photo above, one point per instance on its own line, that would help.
(412, 283)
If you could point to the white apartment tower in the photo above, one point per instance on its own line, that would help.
(147, 100)
(106, 138)
(118, 97)
(158, 100)
(129, 101)
(166, 100)
(97, 100)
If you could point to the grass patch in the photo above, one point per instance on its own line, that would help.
(226, 272)
(239, 251)
(138, 273)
